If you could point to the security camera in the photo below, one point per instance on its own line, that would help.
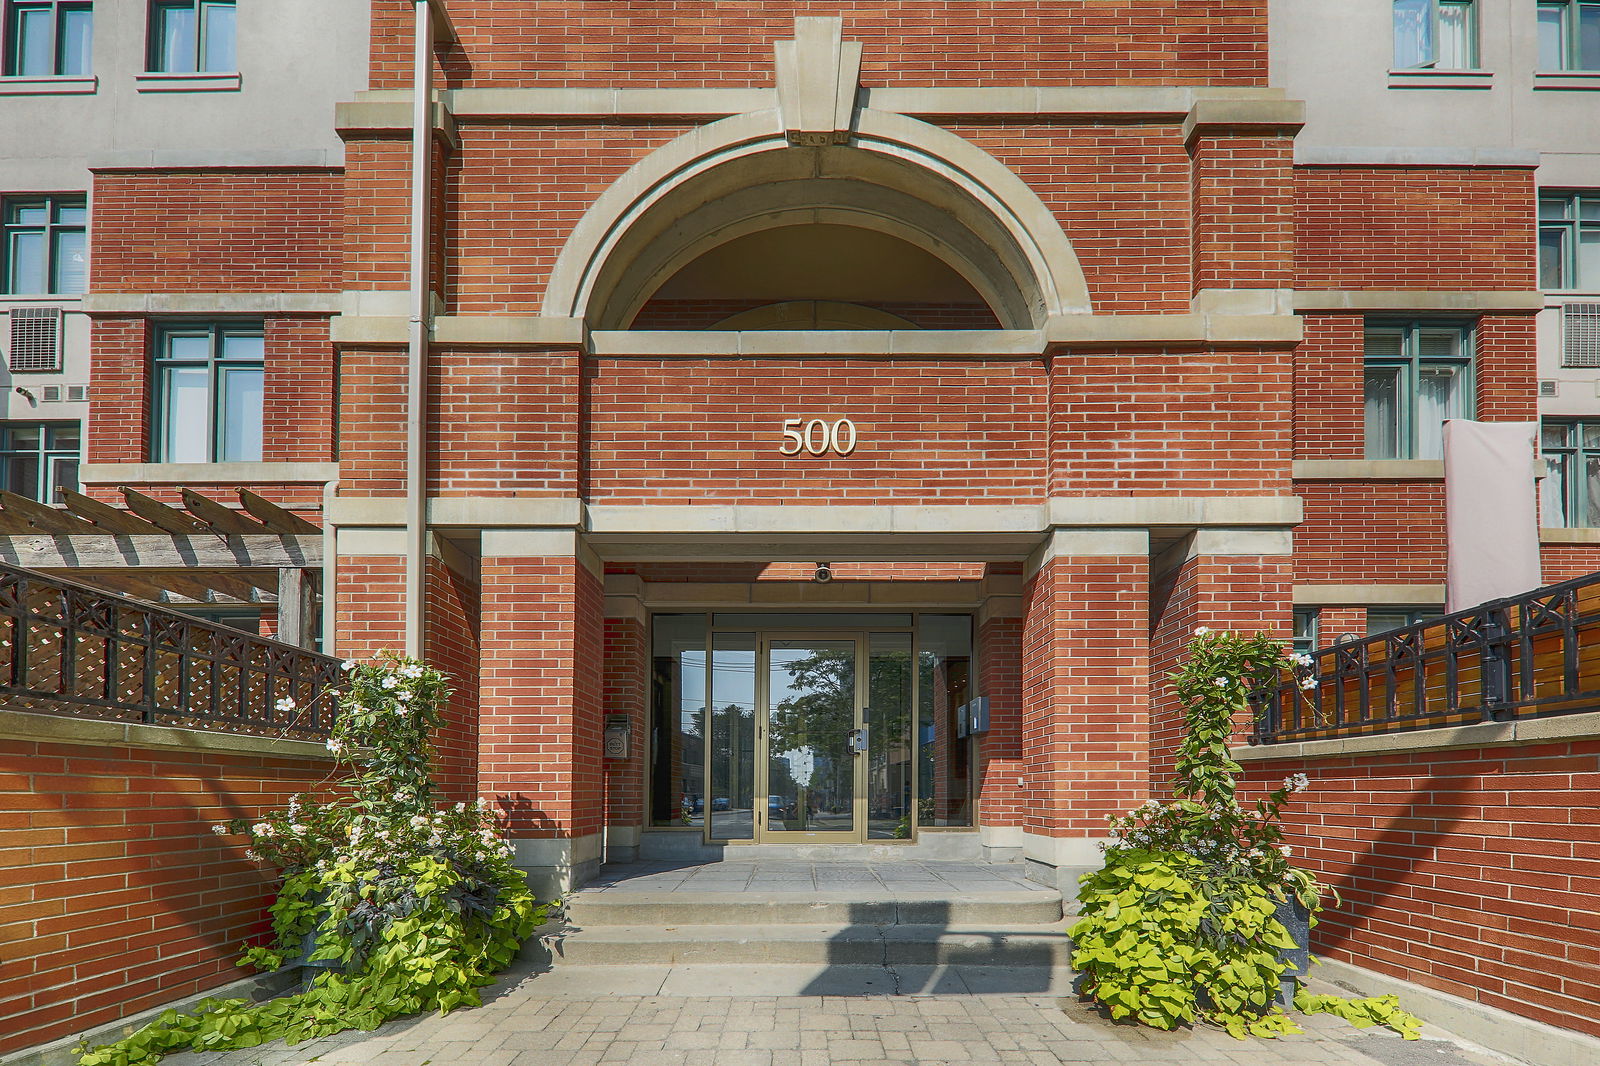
(824, 573)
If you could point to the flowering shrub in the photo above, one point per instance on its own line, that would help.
(415, 903)
(1182, 922)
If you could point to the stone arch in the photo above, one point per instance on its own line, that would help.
(899, 176)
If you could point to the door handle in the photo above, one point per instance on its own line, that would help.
(858, 741)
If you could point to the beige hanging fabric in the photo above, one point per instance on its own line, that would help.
(1491, 511)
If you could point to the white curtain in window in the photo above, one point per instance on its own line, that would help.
(241, 415)
(72, 263)
(219, 37)
(1553, 491)
(1455, 37)
(27, 267)
(1440, 395)
(179, 38)
(1551, 55)
(1381, 411)
(186, 411)
(77, 41)
(1591, 497)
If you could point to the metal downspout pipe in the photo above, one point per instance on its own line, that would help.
(419, 313)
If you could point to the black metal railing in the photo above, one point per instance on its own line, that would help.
(1527, 656)
(67, 649)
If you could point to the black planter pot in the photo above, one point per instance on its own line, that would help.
(1296, 919)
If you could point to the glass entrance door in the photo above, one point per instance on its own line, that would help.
(813, 739)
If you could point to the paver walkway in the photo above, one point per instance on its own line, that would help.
(519, 1027)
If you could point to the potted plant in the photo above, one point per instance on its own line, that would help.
(405, 903)
(1199, 914)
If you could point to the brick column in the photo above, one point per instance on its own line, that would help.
(1240, 580)
(1085, 694)
(1243, 194)
(539, 744)
(1001, 770)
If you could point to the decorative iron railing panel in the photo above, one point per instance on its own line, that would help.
(1531, 655)
(66, 649)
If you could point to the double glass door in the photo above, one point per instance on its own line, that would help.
(809, 736)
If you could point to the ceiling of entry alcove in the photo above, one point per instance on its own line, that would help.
(819, 261)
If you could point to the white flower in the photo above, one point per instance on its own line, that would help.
(287, 704)
(1202, 631)
(402, 711)
(483, 803)
(301, 830)
(1286, 850)
(1308, 683)
(1297, 782)
(403, 695)
(220, 830)
(460, 807)
(336, 745)
(419, 820)
(1220, 682)
(250, 854)
(389, 681)
(1301, 659)
(411, 670)
(348, 665)
(261, 829)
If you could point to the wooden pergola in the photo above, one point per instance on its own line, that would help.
(258, 555)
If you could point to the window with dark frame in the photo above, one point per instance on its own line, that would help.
(208, 393)
(1435, 35)
(44, 250)
(1569, 495)
(1307, 629)
(1569, 239)
(1387, 619)
(37, 458)
(1417, 374)
(48, 38)
(1569, 35)
(193, 37)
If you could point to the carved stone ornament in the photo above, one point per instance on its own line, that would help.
(818, 74)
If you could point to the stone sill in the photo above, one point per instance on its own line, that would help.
(206, 473)
(52, 729)
(206, 82)
(1424, 78)
(1585, 726)
(1580, 80)
(1569, 535)
(56, 85)
(1369, 469)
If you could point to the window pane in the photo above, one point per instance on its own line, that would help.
(1553, 491)
(1552, 208)
(219, 37)
(21, 475)
(1438, 343)
(1587, 274)
(1383, 621)
(1553, 258)
(23, 438)
(26, 263)
(944, 755)
(1551, 54)
(1413, 33)
(33, 48)
(241, 416)
(1589, 209)
(188, 346)
(1382, 412)
(29, 214)
(186, 409)
(62, 436)
(1440, 395)
(1456, 49)
(77, 41)
(63, 475)
(241, 346)
(71, 262)
(1555, 434)
(730, 806)
(889, 710)
(1591, 436)
(1589, 501)
(1384, 344)
(71, 212)
(176, 32)
(677, 716)
(1589, 37)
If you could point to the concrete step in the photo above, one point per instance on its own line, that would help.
(989, 910)
(746, 979)
(1020, 946)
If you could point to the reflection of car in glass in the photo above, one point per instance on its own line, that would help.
(719, 803)
(778, 807)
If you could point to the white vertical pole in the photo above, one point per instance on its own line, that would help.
(417, 365)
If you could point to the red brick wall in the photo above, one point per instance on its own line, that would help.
(1414, 228)
(1563, 562)
(450, 643)
(505, 423)
(690, 430)
(1243, 212)
(1370, 531)
(1327, 388)
(115, 896)
(1085, 693)
(1474, 871)
(543, 647)
(218, 230)
(371, 605)
(1159, 423)
(1000, 763)
(372, 422)
(907, 42)
(627, 691)
(297, 404)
